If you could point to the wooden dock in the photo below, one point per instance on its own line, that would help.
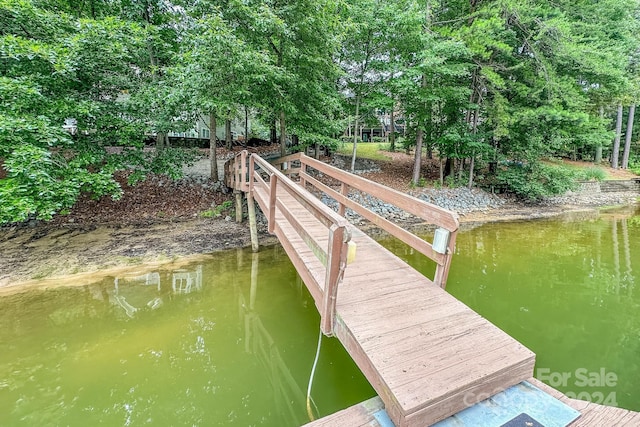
(593, 414)
(426, 354)
(371, 413)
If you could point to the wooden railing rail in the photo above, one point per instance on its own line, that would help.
(432, 214)
(264, 183)
(235, 172)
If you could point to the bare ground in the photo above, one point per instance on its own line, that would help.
(159, 222)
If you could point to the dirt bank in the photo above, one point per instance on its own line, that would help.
(160, 221)
(30, 254)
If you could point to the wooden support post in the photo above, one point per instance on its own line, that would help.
(303, 170)
(273, 183)
(253, 226)
(255, 258)
(344, 190)
(238, 206)
(336, 262)
(244, 184)
(442, 271)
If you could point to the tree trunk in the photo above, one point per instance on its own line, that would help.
(212, 147)
(472, 164)
(246, 126)
(417, 162)
(627, 138)
(273, 134)
(392, 126)
(448, 167)
(160, 141)
(616, 141)
(228, 138)
(355, 136)
(283, 135)
(598, 156)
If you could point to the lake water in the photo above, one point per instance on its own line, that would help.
(568, 289)
(230, 340)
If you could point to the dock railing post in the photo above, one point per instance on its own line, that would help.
(442, 270)
(251, 208)
(344, 190)
(273, 183)
(243, 172)
(303, 170)
(336, 262)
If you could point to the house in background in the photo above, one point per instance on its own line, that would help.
(201, 131)
(378, 125)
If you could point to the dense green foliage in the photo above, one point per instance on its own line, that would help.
(476, 82)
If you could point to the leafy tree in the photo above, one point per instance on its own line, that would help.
(65, 67)
(215, 72)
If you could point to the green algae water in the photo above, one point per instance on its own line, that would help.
(228, 341)
(568, 289)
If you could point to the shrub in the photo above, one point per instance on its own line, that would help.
(592, 174)
(533, 181)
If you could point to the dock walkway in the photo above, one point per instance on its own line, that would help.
(427, 355)
(371, 413)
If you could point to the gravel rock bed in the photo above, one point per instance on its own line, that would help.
(459, 200)
(593, 199)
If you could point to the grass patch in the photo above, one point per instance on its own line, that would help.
(592, 173)
(365, 150)
(218, 210)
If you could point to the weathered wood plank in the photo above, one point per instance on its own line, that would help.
(410, 239)
(360, 415)
(424, 210)
(321, 253)
(425, 353)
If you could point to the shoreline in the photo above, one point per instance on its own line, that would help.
(50, 254)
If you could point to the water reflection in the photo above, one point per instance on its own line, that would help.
(135, 292)
(288, 395)
(223, 342)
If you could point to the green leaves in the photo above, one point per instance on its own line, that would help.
(54, 66)
(533, 181)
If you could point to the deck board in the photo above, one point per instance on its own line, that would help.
(426, 353)
(592, 415)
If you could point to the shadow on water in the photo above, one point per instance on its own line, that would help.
(226, 341)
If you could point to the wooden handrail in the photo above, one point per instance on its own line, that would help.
(263, 181)
(431, 213)
(333, 258)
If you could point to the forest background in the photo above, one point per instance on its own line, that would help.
(492, 88)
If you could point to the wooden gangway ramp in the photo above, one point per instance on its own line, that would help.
(426, 354)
